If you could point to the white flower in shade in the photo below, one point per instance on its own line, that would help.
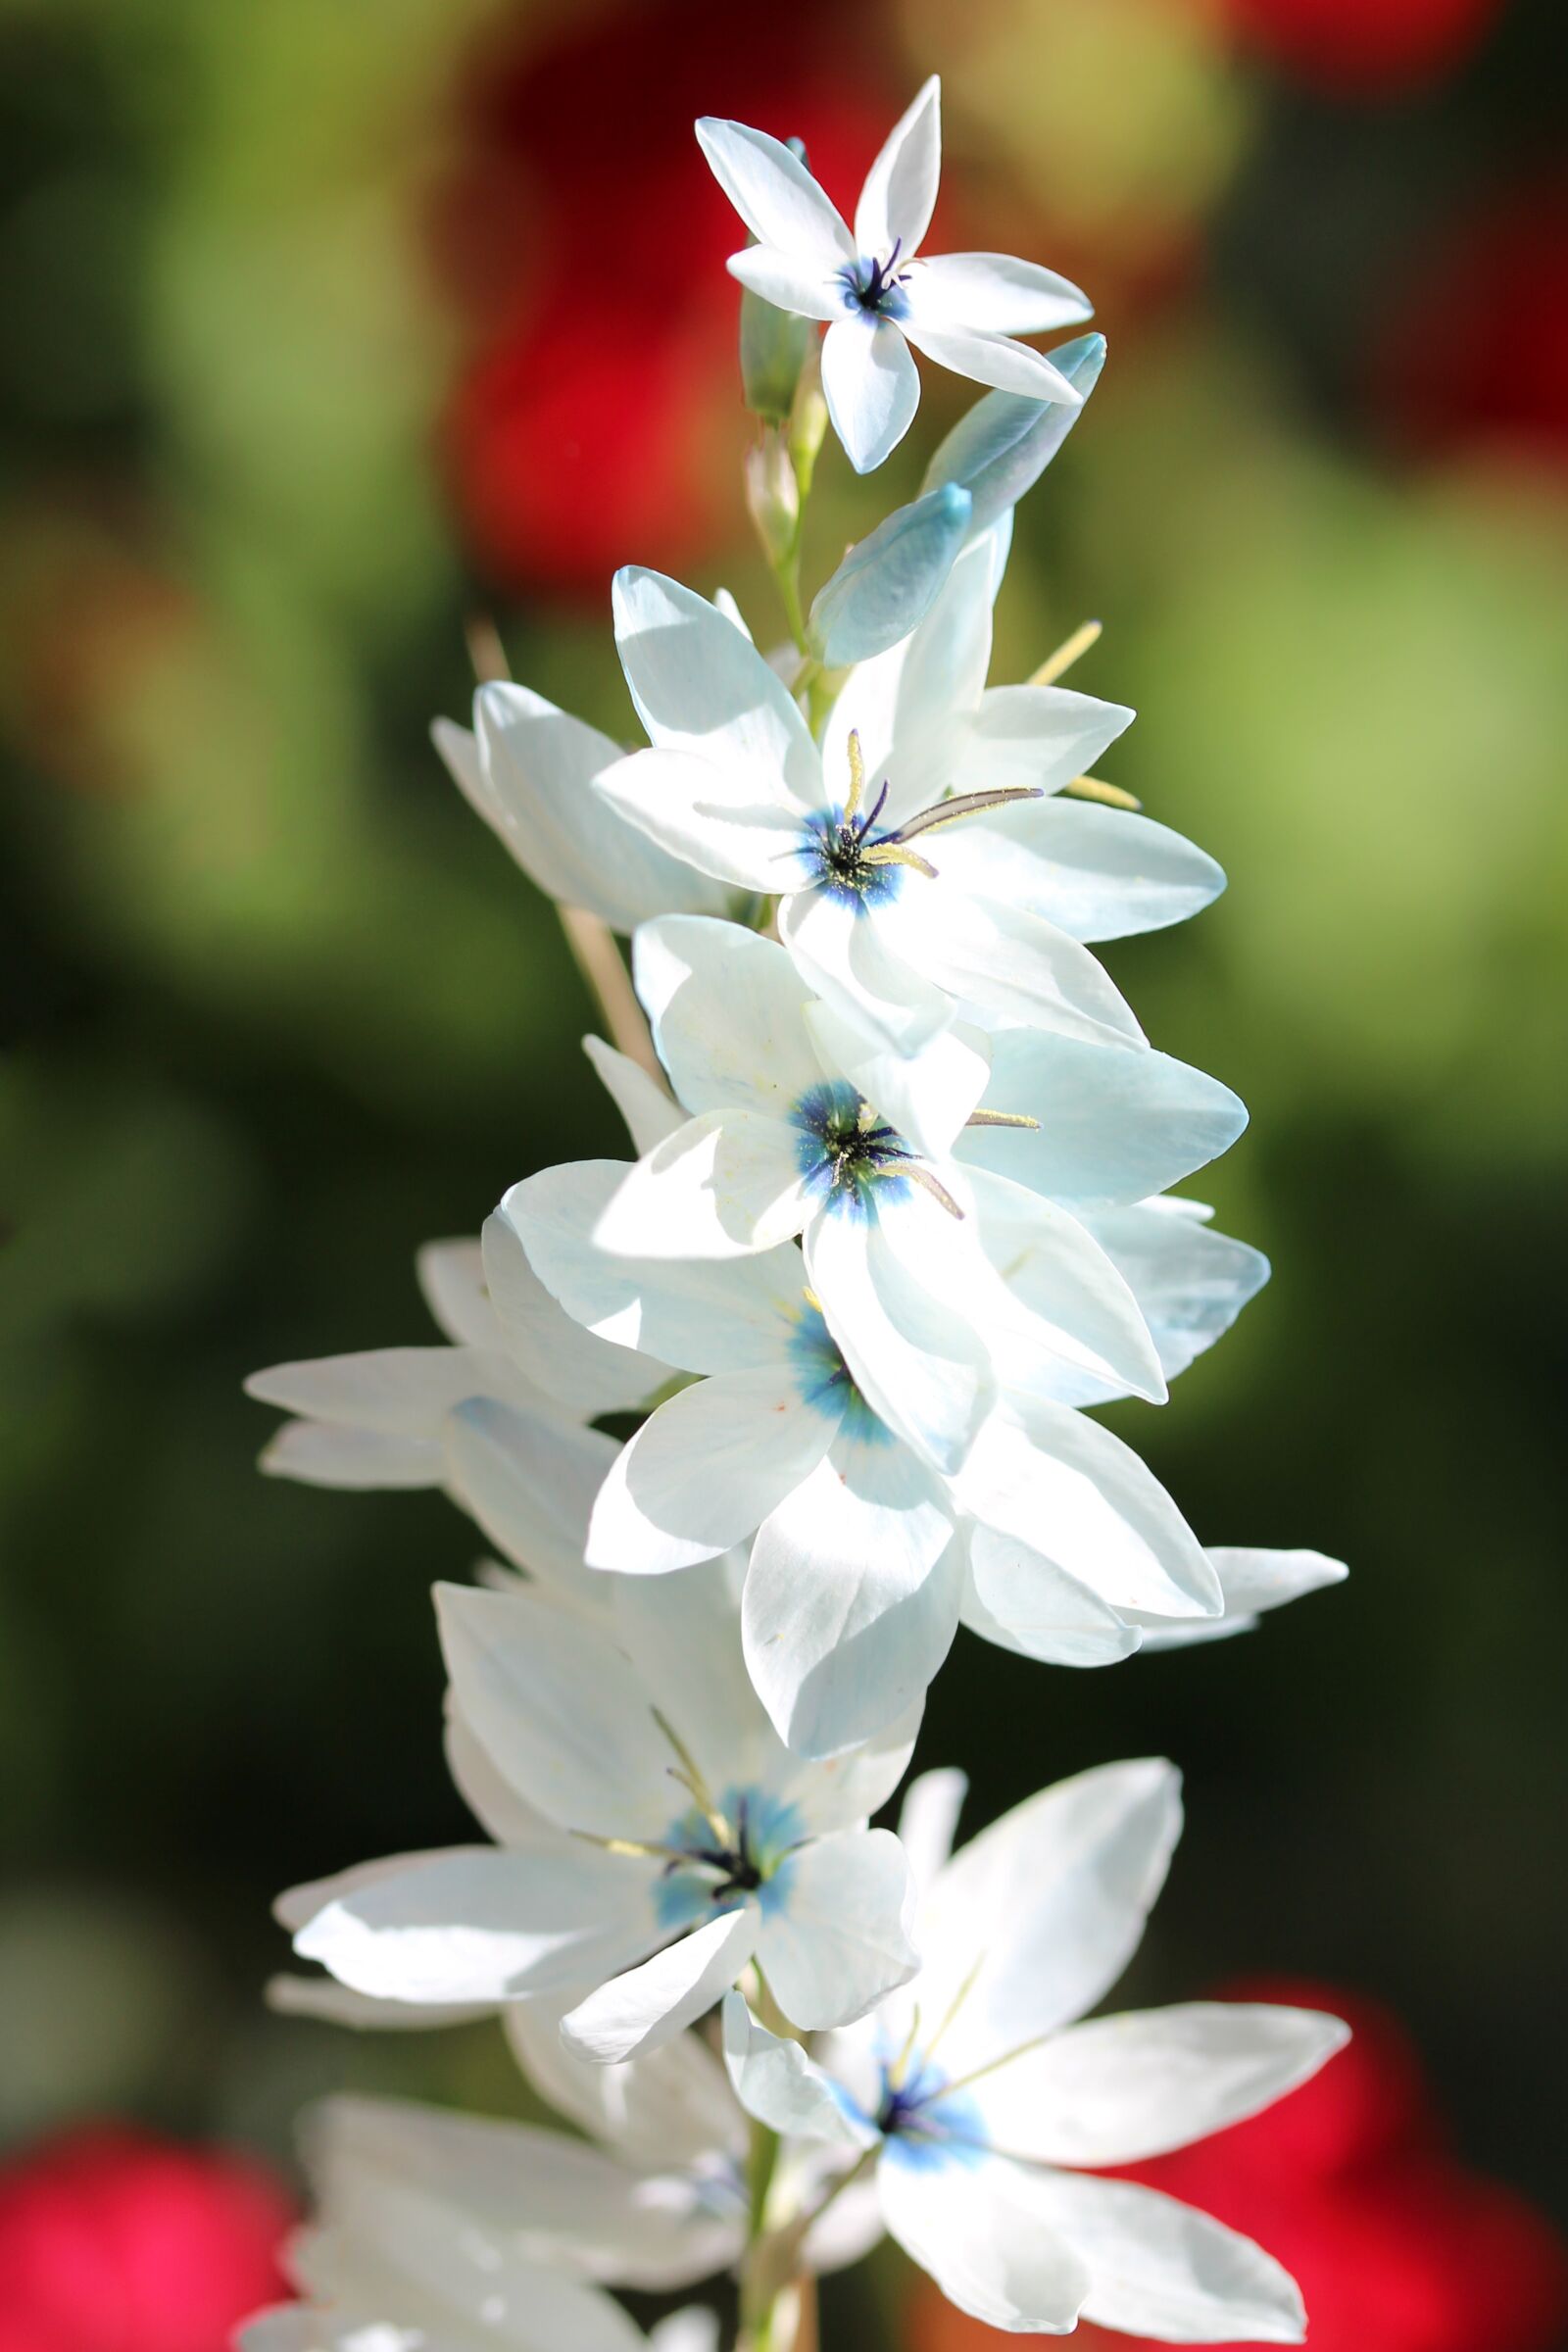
(986, 2109)
(384, 1417)
(655, 2195)
(876, 289)
(413, 2250)
(535, 775)
(734, 784)
(652, 1833)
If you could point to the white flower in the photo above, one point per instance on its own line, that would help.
(879, 293)
(652, 1833)
(734, 784)
(495, 1416)
(413, 2250)
(979, 2099)
(535, 775)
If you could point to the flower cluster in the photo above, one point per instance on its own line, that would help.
(894, 1216)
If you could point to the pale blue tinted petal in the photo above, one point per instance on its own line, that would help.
(848, 1609)
(888, 580)
(1005, 442)
(839, 1940)
(776, 2080)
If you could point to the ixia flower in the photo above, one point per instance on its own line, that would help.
(383, 1417)
(652, 1833)
(734, 784)
(876, 288)
(408, 2255)
(987, 2111)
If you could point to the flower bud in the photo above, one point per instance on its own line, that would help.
(772, 494)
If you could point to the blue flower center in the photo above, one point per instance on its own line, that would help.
(835, 855)
(848, 1157)
(715, 1863)
(876, 287)
(923, 2123)
(823, 1379)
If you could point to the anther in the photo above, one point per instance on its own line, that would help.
(1001, 1118)
(1066, 654)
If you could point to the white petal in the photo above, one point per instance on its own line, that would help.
(490, 1798)
(1157, 2267)
(1013, 963)
(851, 957)
(647, 1108)
(1190, 1283)
(703, 688)
(871, 385)
(528, 1482)
(334, 1453)
(994, 360)
(900, 188)
(975, 2226)
(569, 1364)
(400, 1392)
(926, 1095)
(543, 2194)
(995, 293)
(1251, 1581)
(461, 2284)
(546, 773)
(648, 2006)
(671, 2108)
(1120, 2090)
(1095, 872)
(727, 1012)
(700, 1315)
(1034, 737)
(908, 705)
(559, 1710)
(928, 1820)
(806, 287)
(849, 1610)
(1052, 1900)
(694, 2329)
(837, 1941)
(844, 1792)
(1026, 1603)
(478, 1926)
(451, 1276)
(705, 1469)
(726, 1185)
(773, 192)
(685, 1635)
(1060, 1307)
(776, 2082)
(919, 1364)
(1059, 1483)
(726, 820)
(1113, 1126)
(333, 2004)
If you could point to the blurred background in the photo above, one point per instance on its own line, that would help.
(324, 327)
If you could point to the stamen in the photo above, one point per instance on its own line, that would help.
(856, 776)
(956, 2004)
(1066, 654)
(867, 822)
(919, 1173)
(892, 853)
(1001, 1118)
(899, 2067)
(1094, 788)
(962, 2081)
(691, 1778)
(639, 1848)
(964, 803)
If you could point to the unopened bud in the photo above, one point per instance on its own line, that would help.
(772, 494)
(807, 420)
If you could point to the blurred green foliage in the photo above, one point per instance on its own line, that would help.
(277, 1010)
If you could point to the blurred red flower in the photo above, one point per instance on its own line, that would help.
(1351, 2183)
(1495, 288)
(585, 238)
(112, 2240)
(1372, 48)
